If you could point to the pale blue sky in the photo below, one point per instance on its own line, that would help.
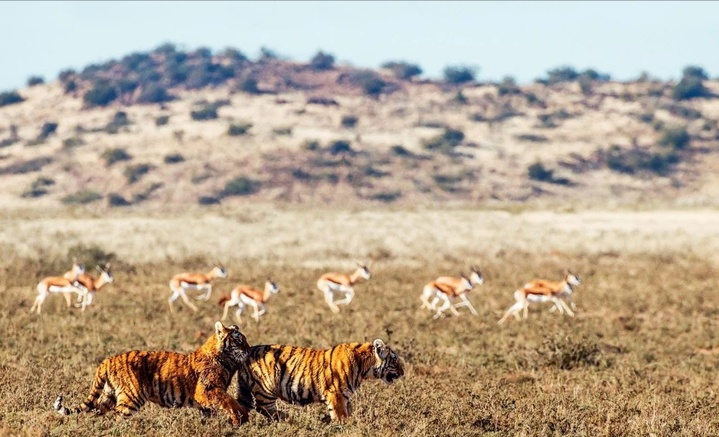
(521, 39)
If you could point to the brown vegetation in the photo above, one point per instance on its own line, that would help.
(638, 358)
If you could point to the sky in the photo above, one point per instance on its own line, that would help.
(508, 38)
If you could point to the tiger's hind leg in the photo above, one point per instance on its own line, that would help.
(126, 407)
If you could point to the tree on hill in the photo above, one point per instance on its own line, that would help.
(692, 84)
(403, 70)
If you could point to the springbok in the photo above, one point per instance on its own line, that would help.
(91, 285)
(447, 289)
(180, 283)
(59, 284)
(244, 295)
(333, 284)
(540, 290)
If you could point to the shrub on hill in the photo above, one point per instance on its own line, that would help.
(38, 187)
(111, 156)
(173, 158)
(349, 121)
(689, 88)
(10, 98)
(238, 129)
(322, 61)
(403, 70)
(134, 173)
(154, 93)
(240, 186)
(35, 80)
(456, 75)
(539, 172)
(446, 142)
(675, 138)
(81, 197)
(114, 199)
(102, 94)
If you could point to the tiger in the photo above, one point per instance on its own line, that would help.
(302, 376)
(125, 382)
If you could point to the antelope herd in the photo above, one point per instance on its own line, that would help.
(445, 293)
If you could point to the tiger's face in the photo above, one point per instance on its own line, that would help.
(388, 367)
(232, 342)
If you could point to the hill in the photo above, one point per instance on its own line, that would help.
(175, 128)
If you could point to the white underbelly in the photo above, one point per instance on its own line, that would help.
(538, 298)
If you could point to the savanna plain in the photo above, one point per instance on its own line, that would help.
(640, 357)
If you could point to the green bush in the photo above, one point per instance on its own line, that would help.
(322, 61)
(386, 196)
(340, 146)
(27, 166)
(154, 93)
(690, 87)
(349, 121)
(400, 150)
(456, 75)
(112, 156)
(208, 112)
(284, 131)
(48, 128)
(70, 86)
(114, 199)
(633, 160)
(695, 71)
(560, 74)
(538, 172)
(82, 197)
(133, 173)
(173, 158)
(102, 94)
(72, 142)
(675, 138)
(208, 200)
(38, 187)
(508, 87)
(118, 121)
(238, 129)
(446, 142)
(162, 120)
(249, 86)
(403, 70)
(35, 80)
(10, 98)
(240, 186)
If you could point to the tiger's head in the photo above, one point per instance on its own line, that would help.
(388, 366)
(231, 342)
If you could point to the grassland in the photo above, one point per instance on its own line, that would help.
(639, 358)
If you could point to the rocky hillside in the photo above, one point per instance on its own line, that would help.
(198, 128)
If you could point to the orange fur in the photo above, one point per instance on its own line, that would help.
(302, 375)
(125, 382)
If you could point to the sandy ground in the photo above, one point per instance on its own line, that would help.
(321, 236)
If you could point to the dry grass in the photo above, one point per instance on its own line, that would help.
(640, 357)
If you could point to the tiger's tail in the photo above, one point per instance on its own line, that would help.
(98, 385)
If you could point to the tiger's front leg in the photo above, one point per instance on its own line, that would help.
(218, 399)
(338, 406)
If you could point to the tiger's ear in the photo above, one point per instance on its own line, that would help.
(380, 348)
(220, 329)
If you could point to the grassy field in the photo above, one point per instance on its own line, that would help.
(639, 358)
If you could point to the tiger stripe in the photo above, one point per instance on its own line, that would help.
(125, 382)
(302, 376)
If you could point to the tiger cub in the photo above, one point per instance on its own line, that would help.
(125, 382)
(302, 375)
